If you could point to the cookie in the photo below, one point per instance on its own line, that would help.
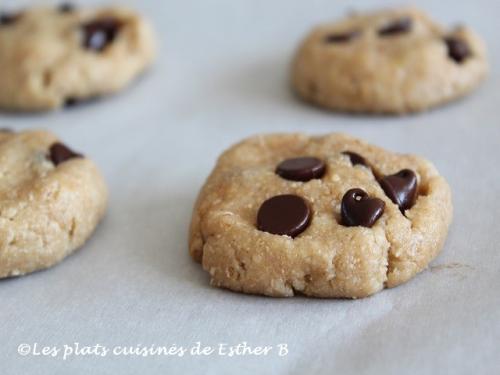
(51, 199)
(326, 216)
(52, 56)
(391, 61)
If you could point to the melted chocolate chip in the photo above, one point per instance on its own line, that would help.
(401, 188)
(399, 26)
(66, 8)
(301, 169)
(59, 153)
(342, 37)
(356, 159)
(9, 18)
(284, 215)
(458, 50)
(358, 209)
(99, 34)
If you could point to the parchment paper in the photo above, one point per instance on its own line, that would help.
(222, 75)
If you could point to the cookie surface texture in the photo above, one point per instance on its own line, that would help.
(52, 56)
(390, 61)
(51, 199)
(333, 234)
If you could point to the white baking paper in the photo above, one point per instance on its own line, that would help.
(221, 76)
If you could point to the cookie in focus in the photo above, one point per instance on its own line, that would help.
(327, 216)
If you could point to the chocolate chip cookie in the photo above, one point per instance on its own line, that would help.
(52, 56)
(327, 216)
(51, 199)
(391, 61)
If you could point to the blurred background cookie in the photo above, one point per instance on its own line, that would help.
(51, 199)
(53, 56)
(389, 61)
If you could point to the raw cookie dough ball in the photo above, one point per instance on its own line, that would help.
(51, 200)
(327, 216)
(390, 61)
(52, 56)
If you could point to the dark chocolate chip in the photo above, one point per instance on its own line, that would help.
(284, 215)
(458, 50)
(9, 18)
(301, 169)
(358, 209)
(71, 102)
(100, 33)
(59, 153)
(401, 188)
(399, 26)
(66, 7)
(356, 159)
(342, 37)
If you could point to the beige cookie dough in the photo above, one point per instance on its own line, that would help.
(46, 60)
(328, 259)
(389, 61)
(46, 210)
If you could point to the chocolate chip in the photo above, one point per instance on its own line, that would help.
(342, 37)
(71, 102)
(284, 215)
(9, 18)
(401, 188)
(399, 26)
(356, 159)
(301, 169)
(99, 34)
(66, 7)
(59, 153)
(358, 209)
(458, 50)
